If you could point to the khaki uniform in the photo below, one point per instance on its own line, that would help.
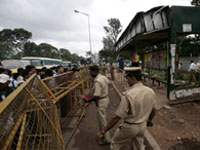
(135, 115)
(101, 89)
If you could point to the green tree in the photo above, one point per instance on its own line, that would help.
(47, 50)
(107, 53)
(188, 46)
(195, 2)
(6, 50)
(65, 54)
(15, 39)
(112, 31)
(6, 35)
(22, 35)
(82, 59)
(31, 49)
(75, 58)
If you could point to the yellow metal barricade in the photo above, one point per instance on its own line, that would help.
(29, 119)
(61, 85)
(66, 90)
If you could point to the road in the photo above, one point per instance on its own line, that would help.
(84, 138)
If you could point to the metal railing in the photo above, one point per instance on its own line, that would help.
(29, 117)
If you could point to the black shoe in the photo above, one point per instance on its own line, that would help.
(102, 143)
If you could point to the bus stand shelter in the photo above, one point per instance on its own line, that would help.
(162, 24)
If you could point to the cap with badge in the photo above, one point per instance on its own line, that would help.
(4, 78)
(131, 71)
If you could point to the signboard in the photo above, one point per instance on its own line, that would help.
(187, 27)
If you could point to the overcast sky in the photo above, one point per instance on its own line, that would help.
(54, 21)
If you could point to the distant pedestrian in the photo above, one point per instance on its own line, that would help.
(49, 73)
(4, 85)
(192, 70)
(59, 70)
(26, 74)
(1, 64)
(180, 65)
(104, 68)
(31, 68)
(20, 78)
(112, 71)
(121, 64)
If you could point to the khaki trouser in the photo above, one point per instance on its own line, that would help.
(102, 122)
(112, 74)
(129, 131)
(192, 76)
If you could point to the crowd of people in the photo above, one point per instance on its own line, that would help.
(10, 81)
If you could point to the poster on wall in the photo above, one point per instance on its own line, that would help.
(156, 60)
(163, 59)
(148, 60)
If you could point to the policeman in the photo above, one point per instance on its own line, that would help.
(100, 96)
(136, 109)
(112, 71)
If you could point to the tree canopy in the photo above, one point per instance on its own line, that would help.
(112, 31)
(65, 54)
(188, 46)
(12, 42)
(16, 43)
(16, 35)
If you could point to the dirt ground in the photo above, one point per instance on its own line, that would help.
(176, 127)
(84, 139)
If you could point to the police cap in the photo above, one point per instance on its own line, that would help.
(132, 71)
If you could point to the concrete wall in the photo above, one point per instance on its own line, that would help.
(186, 61)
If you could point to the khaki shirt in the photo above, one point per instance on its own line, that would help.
(100, 89)
(142, 101)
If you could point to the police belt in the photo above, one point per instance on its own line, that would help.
(130, 123)
(103, 97)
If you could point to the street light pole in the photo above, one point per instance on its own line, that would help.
(90, 42)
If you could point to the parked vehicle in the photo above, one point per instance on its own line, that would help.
(14, 64)
(40, 62)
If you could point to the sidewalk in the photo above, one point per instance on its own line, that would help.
(84, 137)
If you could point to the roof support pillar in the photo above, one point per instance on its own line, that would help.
(171, 62)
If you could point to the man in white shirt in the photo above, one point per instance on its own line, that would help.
(4, 82)
(192, 70)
